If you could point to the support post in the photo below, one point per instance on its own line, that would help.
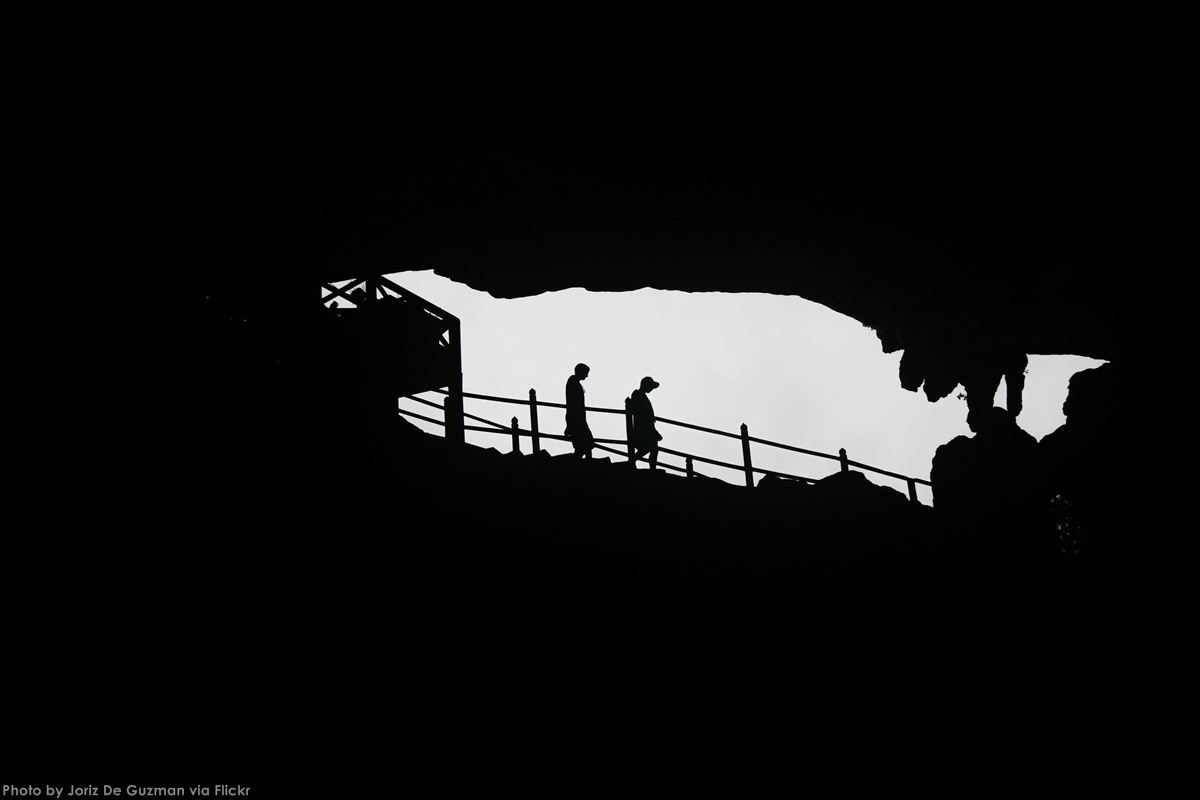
(629, 430)
(533, 421)
(746, 456)
(454, 411)
(454, 400)
(690, 473)
(912, 490)
(516, 434)
(844, 459)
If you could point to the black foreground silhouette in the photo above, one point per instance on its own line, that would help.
(577, 428)
(257, 528)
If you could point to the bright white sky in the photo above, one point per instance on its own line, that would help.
(793, 370)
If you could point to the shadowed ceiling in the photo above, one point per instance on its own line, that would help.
(956, 230)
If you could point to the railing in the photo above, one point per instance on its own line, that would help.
(746, 467)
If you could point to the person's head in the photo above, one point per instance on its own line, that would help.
(582, 370)
(990, 420)
(649, 384)
(1091, 395)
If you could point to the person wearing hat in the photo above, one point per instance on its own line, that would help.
(577, 428)
(645, 436)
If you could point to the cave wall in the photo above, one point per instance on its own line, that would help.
(962, 234)
(953, 261)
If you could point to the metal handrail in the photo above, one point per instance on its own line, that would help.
(698, 428)
(712, 461)
(495, 425)
(526, 402)
(793, 448)
(406, 412)
(754, 439)
(745, 438)
(438, 406)
(896, 475)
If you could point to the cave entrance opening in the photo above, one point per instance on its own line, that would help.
(792, 370)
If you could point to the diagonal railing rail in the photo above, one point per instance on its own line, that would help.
(746, 467)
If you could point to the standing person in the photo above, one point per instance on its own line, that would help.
(577, 428)
(645, 436)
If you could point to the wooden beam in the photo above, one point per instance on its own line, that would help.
(343, 292)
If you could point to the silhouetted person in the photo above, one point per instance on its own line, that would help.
(992, 483)
(1088, 458)
(645, 436)
(577, 428)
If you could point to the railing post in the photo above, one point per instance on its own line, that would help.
(690, 474)
(746, 456)
(912, 490)
(629, 430)
(454, 400)
(453, 405)
(533, 422)
(845, 461)
(516, 434)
